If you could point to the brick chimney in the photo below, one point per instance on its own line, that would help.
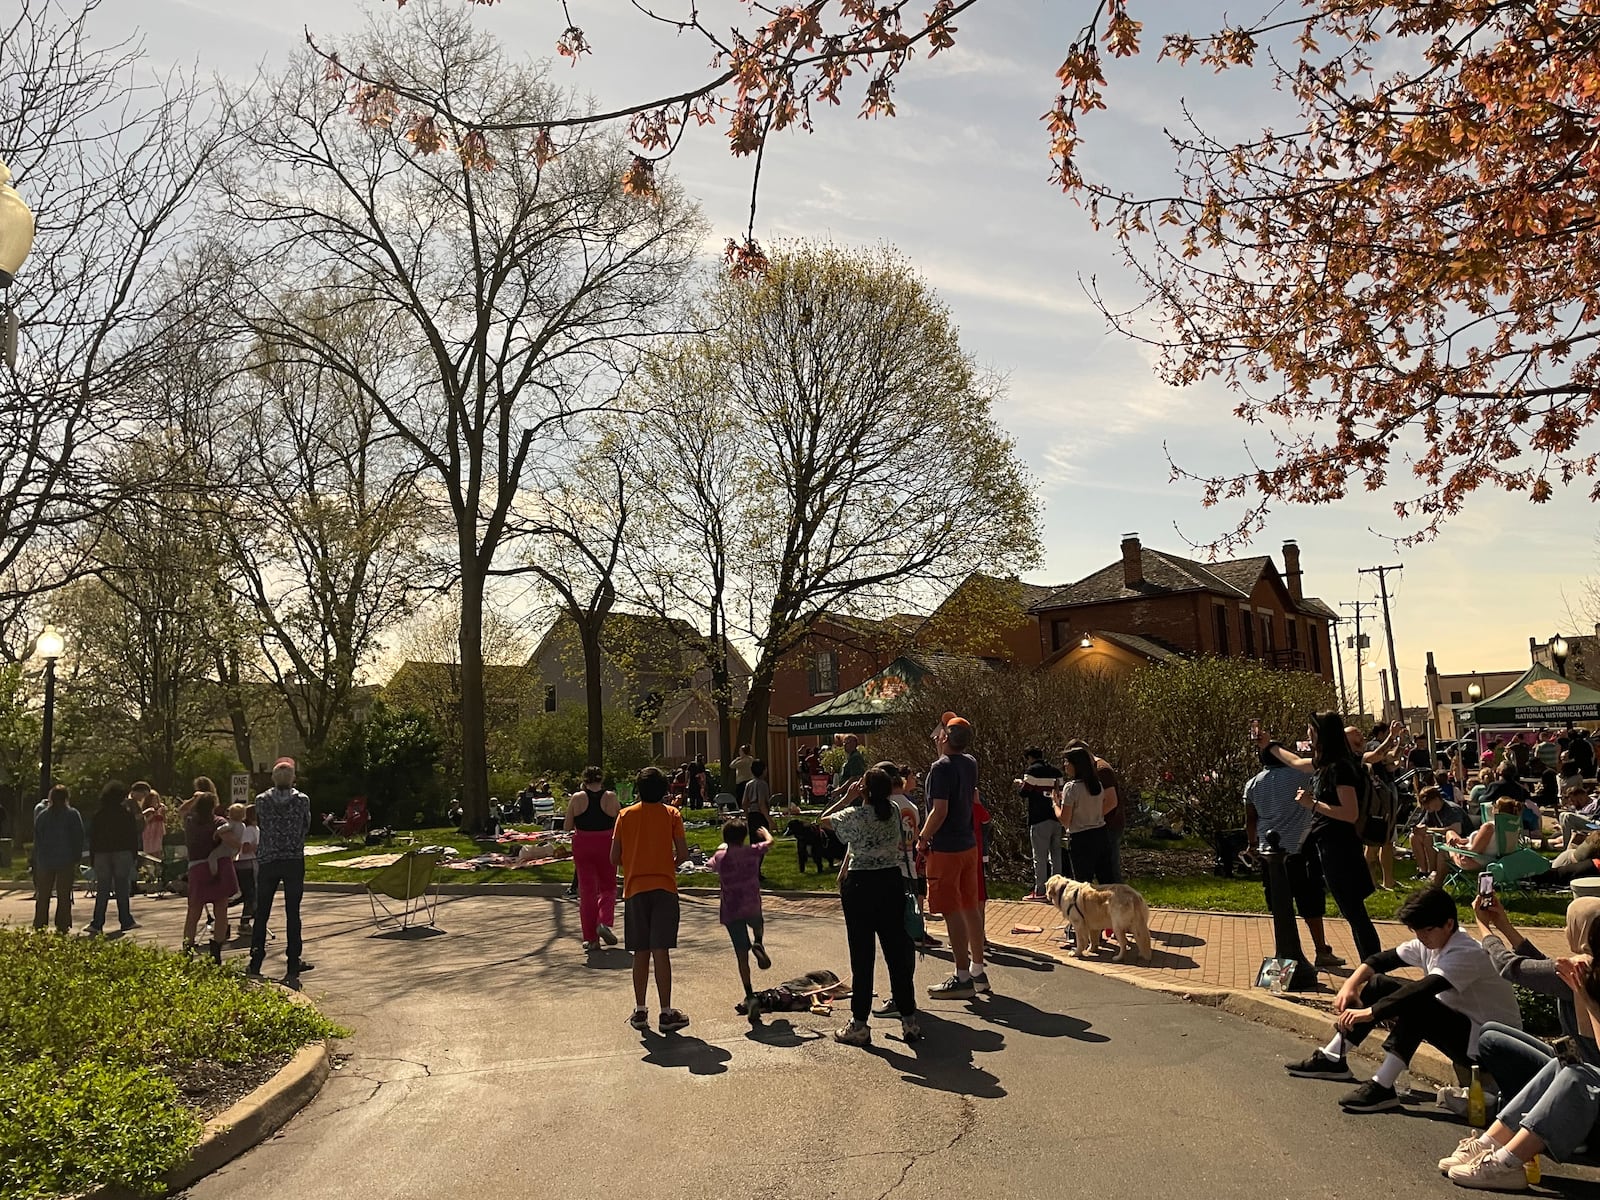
(1291, 569)
(1132, 562)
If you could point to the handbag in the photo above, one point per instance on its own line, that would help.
(916, 930)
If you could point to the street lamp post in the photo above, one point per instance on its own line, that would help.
(16, 239)
(51, 646)
(1558, 653)
(1474, 694)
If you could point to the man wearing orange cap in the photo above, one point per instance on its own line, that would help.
(955, 874)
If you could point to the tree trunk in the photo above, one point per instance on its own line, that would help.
(753, 720)
(589, 636)
(474, 734)
(233, 696)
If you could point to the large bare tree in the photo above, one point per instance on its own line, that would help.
(520, 280)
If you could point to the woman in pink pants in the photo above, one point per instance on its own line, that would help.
(591, 816)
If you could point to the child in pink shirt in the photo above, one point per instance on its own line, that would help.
(738, 865)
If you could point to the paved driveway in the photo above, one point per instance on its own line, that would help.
(494, 1060)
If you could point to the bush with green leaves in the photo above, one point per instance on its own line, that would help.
(391, 758)
(96, 1037)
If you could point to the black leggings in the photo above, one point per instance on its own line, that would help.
(1417, 1020)
(1094, 856)
(1344, 870)
(874, 911)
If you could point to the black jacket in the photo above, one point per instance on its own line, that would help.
(113, 828)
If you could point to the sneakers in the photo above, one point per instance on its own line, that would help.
(1327, 958)
(889, 1009)
(1370, 1097)
(640, 1019)
(929, 942)
(763, 959)
(300, 967)
(980, 983)
(129, 925)
(254, 969)
(587, 945)
(910, 1030)
(1468, 1151)
(854, 1034)
(671, 1019)
(1036, 896)
(606, 935)
(954, 988)
(1489, 1174)
(1320, 1066)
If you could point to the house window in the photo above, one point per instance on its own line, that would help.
(1060, 634)
(550, 698)
(1267, 643)
(696, 742)
(1293, 627)
(658, 746)
(1220, 612)
(1316, 647)
(1455, 698)
(1248, 628)
(824, 673)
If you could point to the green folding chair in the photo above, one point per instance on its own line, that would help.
(405, 892)
(1506, 859)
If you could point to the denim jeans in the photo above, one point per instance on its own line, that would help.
(1045, 838)
(113, 872)
(1560, 1104)
(290, 874)
(1512, 1058)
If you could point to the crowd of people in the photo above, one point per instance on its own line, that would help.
(244, 854)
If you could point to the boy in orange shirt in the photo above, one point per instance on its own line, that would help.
(648, 844)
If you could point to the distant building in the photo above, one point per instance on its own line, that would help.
(1449, 693)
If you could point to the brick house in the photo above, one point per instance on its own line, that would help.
(1152, 604)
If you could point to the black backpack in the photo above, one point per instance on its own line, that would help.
(1377, 808)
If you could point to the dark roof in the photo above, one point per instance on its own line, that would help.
(1316, 608)
(1154, 648)
(1242, 573)
(1164, 574)
(648, 643)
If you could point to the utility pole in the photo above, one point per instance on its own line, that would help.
(1356, 642)
(1338, 658)
(1388, 629)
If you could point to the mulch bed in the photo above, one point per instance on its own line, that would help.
(209, 1088)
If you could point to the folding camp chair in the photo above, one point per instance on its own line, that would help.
(1507, 859)
(410, 881)
(354, 821)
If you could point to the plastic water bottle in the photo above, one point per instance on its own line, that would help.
(1477, 1111)
(1531, 1170)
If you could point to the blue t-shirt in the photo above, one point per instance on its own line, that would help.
(954, 780)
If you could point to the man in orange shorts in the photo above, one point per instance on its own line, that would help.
(955, 874)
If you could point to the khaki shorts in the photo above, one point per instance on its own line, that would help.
(955, 880)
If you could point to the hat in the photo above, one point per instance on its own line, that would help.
(950, 719)
(285, 761)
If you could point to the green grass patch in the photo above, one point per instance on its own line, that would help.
(108, 1051)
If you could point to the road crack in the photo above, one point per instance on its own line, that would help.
(965, 1124)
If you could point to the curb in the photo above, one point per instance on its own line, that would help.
(552, 890)
(249, 1121)
(1427, 1064)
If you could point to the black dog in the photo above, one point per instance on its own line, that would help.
(1230, 844)
(814, 842)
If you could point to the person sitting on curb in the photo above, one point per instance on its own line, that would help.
(1270, 807)
(1558, 1110)
(1459, 992)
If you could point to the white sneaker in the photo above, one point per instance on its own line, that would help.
(587, 946)
(1467, 1152)
(1489, 1174)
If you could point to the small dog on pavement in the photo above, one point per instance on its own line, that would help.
(1090, 909)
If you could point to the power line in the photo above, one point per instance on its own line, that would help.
(1388, 629)
(1356, 642)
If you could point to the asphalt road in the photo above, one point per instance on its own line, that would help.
(493, 1059)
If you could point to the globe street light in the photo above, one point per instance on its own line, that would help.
(1558, 653)
(16, 239)
(50, 646)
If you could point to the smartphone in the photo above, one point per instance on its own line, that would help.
(1485, 886)
(1255, 729)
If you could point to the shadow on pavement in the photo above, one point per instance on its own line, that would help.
(699, 1057)
(608, 960)
(1011, 1013)
(782, 1034)
(1025, 960)
(1176, 939)
(416, 933)
(943, 1059)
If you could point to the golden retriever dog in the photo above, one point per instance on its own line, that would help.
(1090, 909)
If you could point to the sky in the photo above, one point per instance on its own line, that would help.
(958, 182)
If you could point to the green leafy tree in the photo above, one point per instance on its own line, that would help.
(391, 758)
(556, 744)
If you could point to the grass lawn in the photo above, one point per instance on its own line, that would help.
(112, 1054)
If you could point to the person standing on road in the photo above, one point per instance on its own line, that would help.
(285, 815)
(113, 844)
(245, 864)
(873, 896)
(591, 819)
(211, 843)
(648, 844)
(1270, 807)
(950, 844)
(57, 850)
(154, 815)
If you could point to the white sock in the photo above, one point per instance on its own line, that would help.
(963, 975)
(1505, 1158)
(977, 964)
(1488, 1142)
(1389, 1071)
(1335, 1048)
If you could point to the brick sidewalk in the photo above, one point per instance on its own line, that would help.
(1192, 951)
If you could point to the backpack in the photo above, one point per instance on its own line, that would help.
(1377, 809)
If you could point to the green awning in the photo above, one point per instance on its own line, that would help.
(862, 709)
(1540, 697)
